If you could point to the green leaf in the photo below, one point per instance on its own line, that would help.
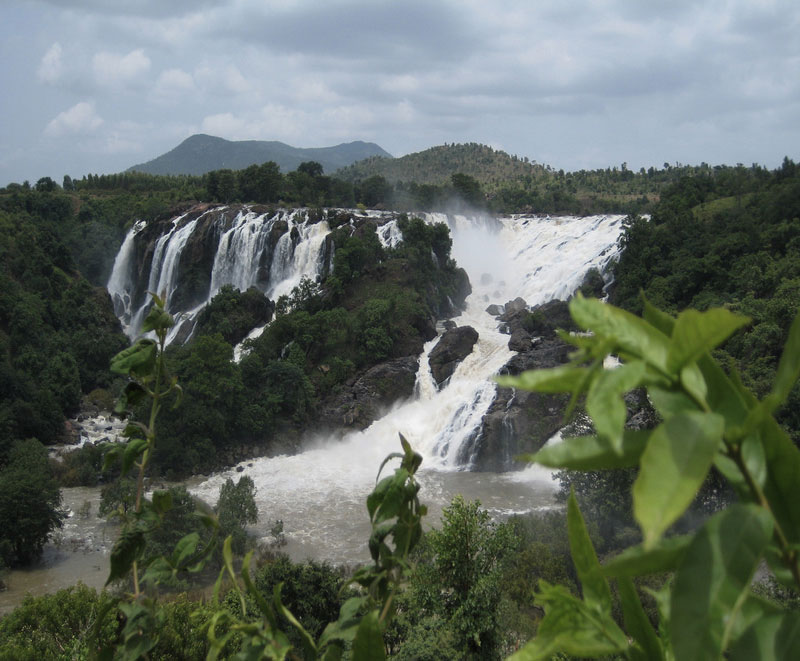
(308, 642)
(770, 639)
(671, 402)
(657, 318)
(185, 549)
(128, 548)
(344, 629)
(133, 450)
(572, 627)
(594, 585)
(696, 333)
(789, 366)
(635, 337)
(665, 556)
(693, 382)
(605, 404)
(673, 466)
(136, 360)
(113, 453)
(368, 643)
(714, 579)
(131, 396)
(590, 453)
(782, 486)
(157, 319)
(162, 501)
(637, 624)
(565, 378)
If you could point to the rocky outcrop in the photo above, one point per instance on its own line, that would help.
(363, 399)
(518, 421)
(454, 345)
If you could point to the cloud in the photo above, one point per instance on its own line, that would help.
(114, 70)
(174, 85)
(79, 119)
(51, 67)
(218, 79)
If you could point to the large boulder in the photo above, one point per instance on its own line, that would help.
(363, 399)
(454, 345)
(519, 421)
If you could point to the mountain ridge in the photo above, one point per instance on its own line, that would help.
(201, 153)
(437, 164)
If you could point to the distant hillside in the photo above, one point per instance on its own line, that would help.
(202, 153)
(435, 166)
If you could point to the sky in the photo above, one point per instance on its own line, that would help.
(95, 86)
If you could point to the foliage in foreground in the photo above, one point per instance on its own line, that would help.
(709, 419)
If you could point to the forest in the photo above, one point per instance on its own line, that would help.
(722, 241)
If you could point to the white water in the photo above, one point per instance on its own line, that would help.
(320, 493)
(239, 253)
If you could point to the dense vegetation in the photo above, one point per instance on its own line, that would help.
(728, 238)
(718, 236)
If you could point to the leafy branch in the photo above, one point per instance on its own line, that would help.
(709, 419)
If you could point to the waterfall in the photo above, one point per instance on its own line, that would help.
(271, 252)
(319, 493)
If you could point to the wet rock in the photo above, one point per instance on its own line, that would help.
(592, 284)
(71, 434)
(520, 340)
(454, 345)
(495, 310)
(362, 400)
(513, 307)
(518, 421)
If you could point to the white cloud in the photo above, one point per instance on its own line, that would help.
(51, 67)
(114, 70)
(174, 85)
(80, 118)
(224, 80)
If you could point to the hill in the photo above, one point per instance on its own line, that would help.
(203, 153)
(436, 165)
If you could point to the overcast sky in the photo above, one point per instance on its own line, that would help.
(99, 85)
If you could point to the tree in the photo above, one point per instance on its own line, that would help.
(459, 578)
(29, 503)
(311, 168)
(236, 508)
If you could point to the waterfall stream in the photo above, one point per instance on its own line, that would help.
(319, 494)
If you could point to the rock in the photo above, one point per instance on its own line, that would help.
(486, 278)
(512, 307)
(547, 318)
(592, 284)
(495, 310)
(362, 400)
(449, 324)
(519, 421)
(520, 340)
(71, 434)
(452, 348)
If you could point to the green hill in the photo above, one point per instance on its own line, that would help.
(435, 166)
(203, 153)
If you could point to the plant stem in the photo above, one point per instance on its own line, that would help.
(788, 555)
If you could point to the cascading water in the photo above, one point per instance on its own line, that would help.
(271, 252)
(319, 494)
